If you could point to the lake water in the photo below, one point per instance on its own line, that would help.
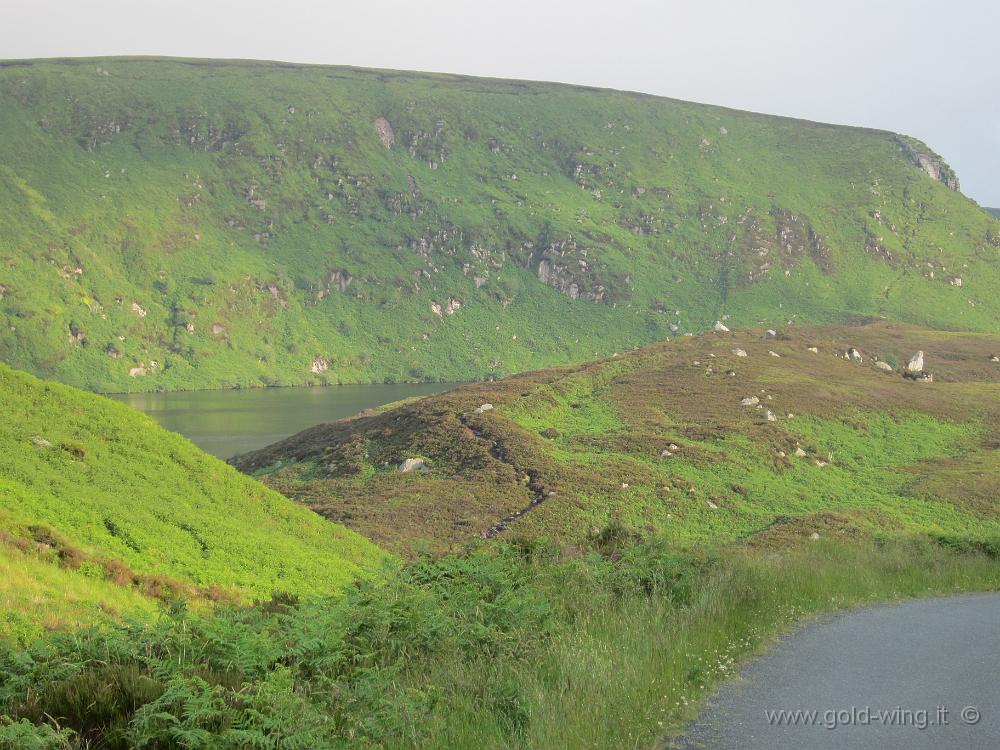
(225, 423)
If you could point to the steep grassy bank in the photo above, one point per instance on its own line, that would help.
(529, 647)
(188, 224)
(102, 512)
(723, 436)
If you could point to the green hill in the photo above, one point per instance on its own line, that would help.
(99, 506)
(722, 437)
(187, 224)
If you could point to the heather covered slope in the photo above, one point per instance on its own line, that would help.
(661, 442)
(184, 224)
(100, 507)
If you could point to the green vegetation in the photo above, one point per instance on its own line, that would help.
(171, 224)
(213, 224)
(657, 572)
(38, 594)
(658, 442)
(101, 506)
(528, 646)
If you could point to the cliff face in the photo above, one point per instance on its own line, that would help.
(935, 167)
(177, 224)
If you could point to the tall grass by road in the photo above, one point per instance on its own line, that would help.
(525, 646)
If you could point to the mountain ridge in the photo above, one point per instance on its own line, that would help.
(217, 224)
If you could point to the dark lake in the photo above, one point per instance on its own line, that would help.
(225, 423)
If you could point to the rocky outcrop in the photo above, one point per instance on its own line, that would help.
(412, 464)
(797, 239)
(576, 271)
(450, 307)
(936, 168)
(339, 280)
(385, 133)
(915, 369)
(561, 278)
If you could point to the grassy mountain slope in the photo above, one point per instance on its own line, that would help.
(658, 442)
(181, 224)
(99, 500)
(36, 594)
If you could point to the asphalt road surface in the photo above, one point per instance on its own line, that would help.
(920, 674)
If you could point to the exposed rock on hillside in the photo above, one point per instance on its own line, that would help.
(927, 160)
(385, 133)
(412, 464)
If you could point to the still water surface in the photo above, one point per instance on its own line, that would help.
(225, 423)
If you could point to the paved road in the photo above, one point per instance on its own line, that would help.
(876, 677)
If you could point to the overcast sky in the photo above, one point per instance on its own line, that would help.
(925, 68)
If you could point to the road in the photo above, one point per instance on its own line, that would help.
(919, 674)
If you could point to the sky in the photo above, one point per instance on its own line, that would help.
(926, 68)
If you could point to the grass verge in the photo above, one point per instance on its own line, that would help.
(520, 646)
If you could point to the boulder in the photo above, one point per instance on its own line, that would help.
(855, 355)
(750, 401)
(720, 326)
(813, 349)
(916, 363)
(799, 452)
(413, 464)
(773, 353)
(740, 352)
(770, 333)
(484, 407)
(883, 366)
(769, 416)
(995, 358)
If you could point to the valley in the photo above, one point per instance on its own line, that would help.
(607, 392)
